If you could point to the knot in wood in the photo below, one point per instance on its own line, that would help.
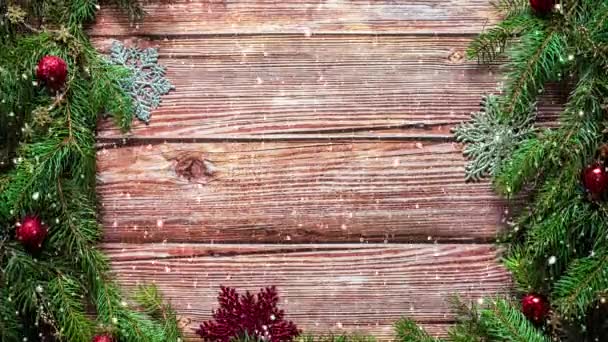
(456, 57)
(193, 167)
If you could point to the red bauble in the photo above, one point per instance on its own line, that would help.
(535, 306)
(31, 232)
(103, 338)
(52, 71)
(595, 179)
(542, 6)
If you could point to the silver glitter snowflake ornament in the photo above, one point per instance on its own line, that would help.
(490, 139)
(147, 83)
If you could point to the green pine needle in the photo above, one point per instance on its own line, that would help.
(47, 168)
(582, 284)
(505, 322)
(408, 331)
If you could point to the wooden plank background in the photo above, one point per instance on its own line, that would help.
(307, 146)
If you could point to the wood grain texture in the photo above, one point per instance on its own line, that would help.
(321, 160)
(267, 87)
(293, 192)
(305, 17)
(323, 287)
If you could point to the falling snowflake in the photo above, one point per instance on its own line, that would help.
(147, 83)
(490, 138)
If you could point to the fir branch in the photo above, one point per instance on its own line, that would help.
(333, 338)
(580, 133)
(54, 176)
(81, 11)
(129, 325)
(149, 297)
(133, 8)
(536, 60)
(64, 295)
(554, 235)
(511, 8)
(491, 44)
(408, 331)
(584, 280)
(523, 165)
(524, 269)
(469, 327)
(562, 234)
(506, 323)
(9, 323)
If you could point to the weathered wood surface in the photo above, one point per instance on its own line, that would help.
(286, 87)
(293, 192)
(306, 17)
(307, 146)
(323, 287)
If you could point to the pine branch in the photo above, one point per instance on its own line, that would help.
(524, 164)
(149, 297)
(506, 323)
(469, 327)
(488, 46)
(536, 60)
(528, 275)
(113, 312)
(555, 235)
(573, 142)
(133, 8)
(54, 176)
(333, 338)
(578, 289)
(408, 331)
(65, 295)
(511, 8)
(9, 324)
(562, 234)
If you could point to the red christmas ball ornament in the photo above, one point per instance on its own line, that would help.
(542, 6)
(103, 338)
(535, 307)
(31, 232)
(595, 179)
(52, 71)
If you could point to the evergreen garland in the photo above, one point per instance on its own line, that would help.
(558, 246)
(63, 292)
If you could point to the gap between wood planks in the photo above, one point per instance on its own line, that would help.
(283, 34)
(290, 192)
(331, 139)
(318, 283)
(266, 87)
(300, 16)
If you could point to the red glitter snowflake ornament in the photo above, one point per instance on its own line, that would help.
(251, 315)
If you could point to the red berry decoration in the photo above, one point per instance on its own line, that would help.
(535, 307)
(103, 338)
(31, 232)
(595, 179)
(542, 6)
(52, 71)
